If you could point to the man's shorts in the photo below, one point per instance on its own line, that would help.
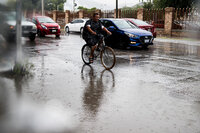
(93, 40)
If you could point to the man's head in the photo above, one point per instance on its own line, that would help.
(95, 17)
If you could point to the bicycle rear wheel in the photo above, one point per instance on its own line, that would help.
(108, 58)
(85, 54)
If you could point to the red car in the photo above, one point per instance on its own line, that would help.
(46, 26)
(143, 25)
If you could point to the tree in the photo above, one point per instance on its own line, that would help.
(147, 5)
(54, 5)
(87, 9)
(26, 4)
(173, 3)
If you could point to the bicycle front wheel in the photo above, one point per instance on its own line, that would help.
(85, 54)
(108, 58)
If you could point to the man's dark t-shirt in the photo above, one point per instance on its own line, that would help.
(96, 27)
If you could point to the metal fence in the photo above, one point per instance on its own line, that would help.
(155, 17)
(73, 15)
(186, 18)
(107, 14)
(49, 14)
(129, 13)
(88, 14)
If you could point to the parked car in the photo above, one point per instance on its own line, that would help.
(29, 29)
(75, 26)
(126, 35)
(46, 26)
(143, 25)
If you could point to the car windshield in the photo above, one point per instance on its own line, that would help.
(45, 20)
(132, 25)
(122, 24)
(139, 22)
(11, 16)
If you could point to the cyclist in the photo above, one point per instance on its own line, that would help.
(92, 33)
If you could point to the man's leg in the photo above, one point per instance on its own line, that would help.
(93, 43)
(92, 51)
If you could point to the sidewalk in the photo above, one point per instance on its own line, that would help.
(187, 41)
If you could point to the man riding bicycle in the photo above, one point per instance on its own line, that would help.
(92, 33)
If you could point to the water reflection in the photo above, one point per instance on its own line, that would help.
(96, 86)
(178, 49)
(20, 114)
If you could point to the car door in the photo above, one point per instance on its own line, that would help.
(73, 25)
(115, 37)
(80, 25)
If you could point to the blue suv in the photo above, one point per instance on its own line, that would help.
(125, 34)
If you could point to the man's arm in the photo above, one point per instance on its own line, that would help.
(108, 32)
(90, 30)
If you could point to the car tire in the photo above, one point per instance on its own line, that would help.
(67, 30)
(81, 30)
(145, 47)
(32, 38)
(122, 44)
(57, 36)
(40, 34)
(10, 38)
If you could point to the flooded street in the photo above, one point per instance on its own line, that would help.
(148, 91)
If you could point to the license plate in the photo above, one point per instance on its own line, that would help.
(53, 30)
(146, 40)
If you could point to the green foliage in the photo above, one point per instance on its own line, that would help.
(148, 5)
(173, 3)
(54, 5)
(87, 9)
(22, 69)
(26, 4)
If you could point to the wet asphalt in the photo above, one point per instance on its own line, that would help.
(148, 91)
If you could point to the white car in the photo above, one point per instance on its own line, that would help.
(75, 26)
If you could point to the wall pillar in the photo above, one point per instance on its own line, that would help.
(55, 15)
(67, 16)
(168, 20)
(81, 14)
(140, 14)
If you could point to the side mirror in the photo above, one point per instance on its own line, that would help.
(112, 28)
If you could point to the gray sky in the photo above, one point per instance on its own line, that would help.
(101, 4)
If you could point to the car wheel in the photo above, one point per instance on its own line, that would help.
(67, 30)
(57, 36)
(32, 38)
(10, 38)
(40, 34)
(145, 47)
(81, 30)
(122, 44)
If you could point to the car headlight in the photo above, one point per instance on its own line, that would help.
(44, 27)
(34, 27)
(130, 35)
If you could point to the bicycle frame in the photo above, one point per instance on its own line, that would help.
(101, 47)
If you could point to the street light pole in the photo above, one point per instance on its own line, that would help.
(18, 31)
(116, 8)
(42, 7)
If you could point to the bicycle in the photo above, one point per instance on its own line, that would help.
(106, 53)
